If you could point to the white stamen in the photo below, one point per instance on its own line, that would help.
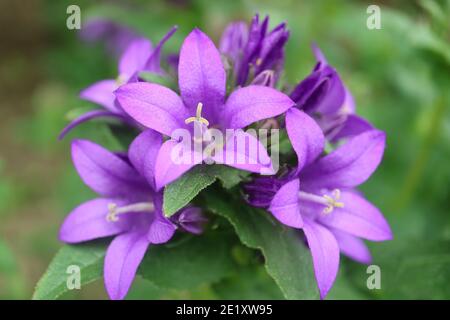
(326, 200)
(198, 116)
(114, 211)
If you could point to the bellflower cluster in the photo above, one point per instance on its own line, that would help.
(222, 92)
(202, 105)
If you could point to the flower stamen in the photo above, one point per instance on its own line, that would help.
(330, 202)
(114, 211)
(198, 116)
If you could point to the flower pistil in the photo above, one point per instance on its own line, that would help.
(114, 211)
(330, 202)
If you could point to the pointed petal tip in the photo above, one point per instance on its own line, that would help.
(368, 260)
(114, 294)
(62, 235)
(65, 236)
(77, 143)
(323, 293)
(284, 205)
(196, 31)
(386, 236)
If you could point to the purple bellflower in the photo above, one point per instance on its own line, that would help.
(319, 196)
(128, 208)
(253, 50)
(324, 96)
(203, 103)
(139, 56)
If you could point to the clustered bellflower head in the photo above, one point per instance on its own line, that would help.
(203, 104)
(128, 208)
(230, 88)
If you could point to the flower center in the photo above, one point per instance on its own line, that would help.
(114, 210)
(198, 116)
(330, 202)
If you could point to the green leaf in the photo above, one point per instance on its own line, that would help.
(203, 258)
(287, 259)
(249, 283)
(88, 257)
(196, 261)
(180, 192)
(229, 177)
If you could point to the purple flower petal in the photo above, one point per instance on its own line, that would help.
(305, 135)
(89, 116)
(106, 173)
(153, 105)
(88, 221)
(253, 103)
(352, 247)
(284, 205)
(154, 61)
(272, 49)
(333, 93)
(353, 126)
(348, 166)
(201, 75)
(359, 218)
(320, 57)
(134, 58)
(142, 154)
(265, 78)
(191, 219)
(349, 104)
(101, 93)
(305, 90)
(173, 160)
(244, 151)
(122, 260)
(256, 35)
(161, 230)
(233, 40)
(325, 254)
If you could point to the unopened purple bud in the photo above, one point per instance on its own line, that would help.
(191, 219)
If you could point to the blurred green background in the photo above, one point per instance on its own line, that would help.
(399, 75)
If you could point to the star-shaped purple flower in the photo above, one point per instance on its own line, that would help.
(138, 56)
(202, 83)
(319, 196)
(128, 208)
